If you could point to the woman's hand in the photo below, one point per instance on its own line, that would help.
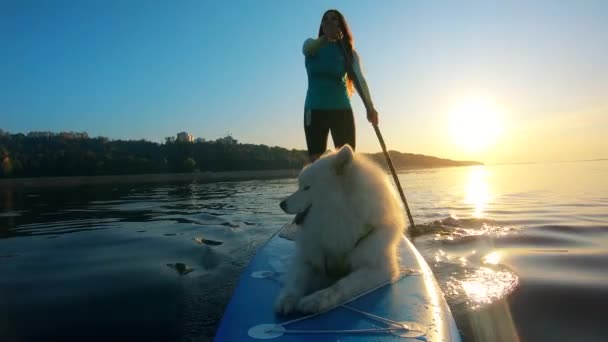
(372, 116)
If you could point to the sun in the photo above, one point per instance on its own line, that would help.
(475, 124)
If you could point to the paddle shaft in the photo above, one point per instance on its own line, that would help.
(399, 187)
(368, 107)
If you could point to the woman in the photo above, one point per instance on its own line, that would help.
(330, 86)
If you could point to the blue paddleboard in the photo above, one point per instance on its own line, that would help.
(410, 309)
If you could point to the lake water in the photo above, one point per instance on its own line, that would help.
(521, 251)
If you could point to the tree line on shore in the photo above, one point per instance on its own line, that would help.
(47, 154)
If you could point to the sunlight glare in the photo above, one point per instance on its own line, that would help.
(475, 124)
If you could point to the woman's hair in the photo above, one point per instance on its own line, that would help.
(347, 39)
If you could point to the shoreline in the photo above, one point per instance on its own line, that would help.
(151, 178)
(203, 177)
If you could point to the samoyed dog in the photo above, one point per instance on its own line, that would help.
(350, 226)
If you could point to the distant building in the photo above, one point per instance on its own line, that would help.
(200, 140)
(36, 134)
(185, 137)
(74, 135)
(227, 140)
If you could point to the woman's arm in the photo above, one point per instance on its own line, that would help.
(311, 45)
(366, 96)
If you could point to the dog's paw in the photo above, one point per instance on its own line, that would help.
(318, 302)
(286, 303)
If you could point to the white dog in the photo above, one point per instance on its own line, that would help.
(350, 225)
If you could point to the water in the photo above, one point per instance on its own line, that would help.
(521, 251)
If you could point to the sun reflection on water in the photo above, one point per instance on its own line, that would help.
(492, 258)
(485, 286)
(482, 280)
(480, 285)
(477, 190)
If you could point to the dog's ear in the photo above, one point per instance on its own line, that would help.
(343, 158)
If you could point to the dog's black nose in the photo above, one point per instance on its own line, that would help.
(283, 205)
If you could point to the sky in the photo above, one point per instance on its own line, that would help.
(495, 81)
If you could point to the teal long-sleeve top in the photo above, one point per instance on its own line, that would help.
(327, 76)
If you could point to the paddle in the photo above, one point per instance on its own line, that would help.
(368, 106)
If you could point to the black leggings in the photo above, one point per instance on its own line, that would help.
(318, 123)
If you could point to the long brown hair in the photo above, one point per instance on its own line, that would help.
(348, 40)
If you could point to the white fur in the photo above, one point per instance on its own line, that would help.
(348, 241)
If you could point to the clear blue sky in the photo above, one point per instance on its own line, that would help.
(149, 69)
